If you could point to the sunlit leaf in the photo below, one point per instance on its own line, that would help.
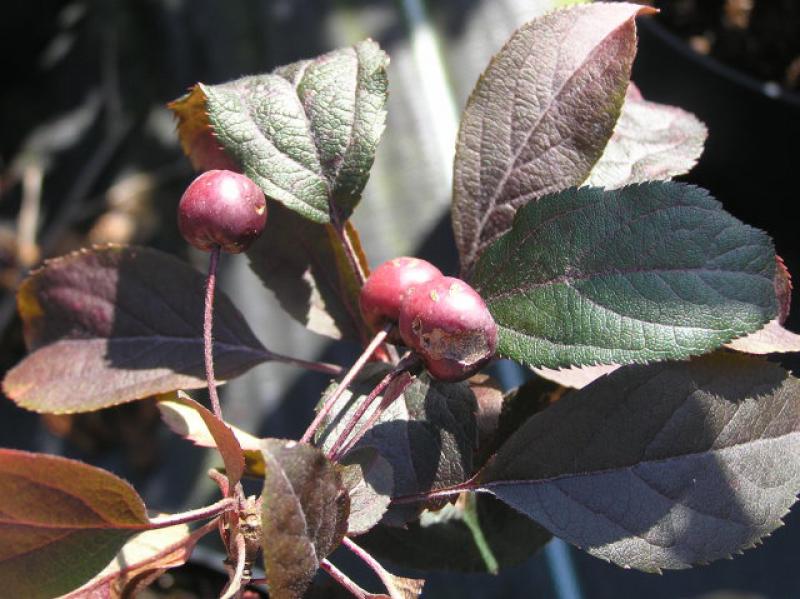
(304, 514)
(649, 272)
(650, 142)
(141, 559)
(306, 134)
(198, 424)
(61, 521)
(539, 117)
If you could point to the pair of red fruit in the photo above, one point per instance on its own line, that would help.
(442, 319)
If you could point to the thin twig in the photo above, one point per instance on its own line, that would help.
(374, 565)
(401, 367)
(28, 218)
(202, 513)
(342, 387)
(394, 389)
(208, 325)
(344, 580)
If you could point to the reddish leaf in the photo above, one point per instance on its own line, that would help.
(539, 117)
(197, 137)
(114, 324)
(61, 521)
(142, 559)
(304, 516)
(650, 142)
(773, 338)
(221, 434)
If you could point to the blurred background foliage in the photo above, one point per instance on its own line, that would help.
(89, 155)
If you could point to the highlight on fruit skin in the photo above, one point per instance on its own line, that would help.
(447, 323)
(222, 208)
(387, 287)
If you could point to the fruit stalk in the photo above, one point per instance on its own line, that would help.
(208, 324)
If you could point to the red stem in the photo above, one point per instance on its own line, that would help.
(344, 580)
(469, 485)
(374, 565)
(336, 450)
(208, 324)
(346, 381)
(209, 511)
(323, 367)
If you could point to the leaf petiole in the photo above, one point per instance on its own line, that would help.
(209, 511)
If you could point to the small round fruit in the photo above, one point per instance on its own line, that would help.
(389, 284)
(448, 325)
(222, 208)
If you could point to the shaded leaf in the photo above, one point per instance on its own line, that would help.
(650, 142)
(140, 560)
(114, 324)
(197, 423)
(519, 404)
(369, 481)
(539, 117)
(303, 264)
(649, 272)
(773, 337)
(306, 134)
(304, 514)
(443, 540)
(489, 403)
(661, 466)
(428, 435)
(61, 521)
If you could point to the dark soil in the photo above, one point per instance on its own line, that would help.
(760, 37)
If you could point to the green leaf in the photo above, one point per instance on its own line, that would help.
(142, 559)
(303, 264)
(304, 514)
(369, 481)
(307, 133)
(661, 466)
(539, 117)
(115, 324)
(651, 142)
(443, 540)
(428, 435)
(61, 521)
(649, 272)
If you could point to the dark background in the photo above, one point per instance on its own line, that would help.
(82, 111)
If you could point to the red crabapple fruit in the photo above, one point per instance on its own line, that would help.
(222, 208)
